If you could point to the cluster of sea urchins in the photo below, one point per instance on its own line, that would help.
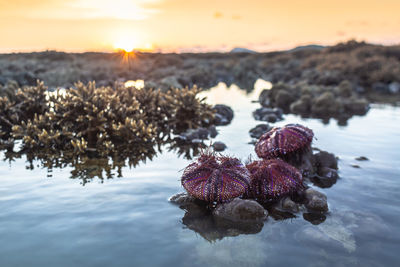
(218, 179)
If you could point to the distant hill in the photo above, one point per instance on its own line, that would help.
(307, 47)
(242, 50)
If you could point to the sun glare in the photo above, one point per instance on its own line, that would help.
(126, 44)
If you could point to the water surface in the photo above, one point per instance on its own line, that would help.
(48, 219)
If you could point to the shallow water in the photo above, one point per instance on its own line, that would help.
(48, 219)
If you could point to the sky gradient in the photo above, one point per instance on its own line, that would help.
(185, 25)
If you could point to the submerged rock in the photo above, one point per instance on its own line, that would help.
(219, 146)
(268, 114)
(259, 130)
(325, 159)
(314, 218)
(241, 210)
(289, 205)
(182, 198)
(326, 177)
(193, 134)
(315, 201)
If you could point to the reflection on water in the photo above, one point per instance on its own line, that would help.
(200, 219)
(57, 222)
(138, 84)
(86, 168)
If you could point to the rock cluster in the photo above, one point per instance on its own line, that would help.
(341, 101)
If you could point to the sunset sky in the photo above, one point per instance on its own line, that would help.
(185, 25)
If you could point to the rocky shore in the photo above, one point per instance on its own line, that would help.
(368, 69)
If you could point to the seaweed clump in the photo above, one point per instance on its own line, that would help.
(72, 126)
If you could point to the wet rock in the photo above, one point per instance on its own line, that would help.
(202, 220)
(361, 158)
(212, 130)
(325, 159)
(326, 177)
(193, 134)
(259, 130)
(182, 198)
(241, 210)
(219, 146)
(203, 133)
(325, 105)
(314, 218)
(355, 166)
(315, 201)
(267, 114)
(224, 114)
(305, 164)
(264, 99)
(394, 87)
(289, 205)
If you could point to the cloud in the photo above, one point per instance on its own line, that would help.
(236, 17)
(217, 15)
(80, 9)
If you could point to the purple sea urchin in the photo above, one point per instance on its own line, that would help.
(216, 178)
(284, 141)
(273, 178)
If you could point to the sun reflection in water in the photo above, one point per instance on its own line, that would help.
(138, 84)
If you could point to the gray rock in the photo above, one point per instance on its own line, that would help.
(289, 205)
(264, 99)
(212, 130)
(326, 177)
(259, 130)
(241, 210)
(203, 133)
(182, 198)
(224, 114)
(194, 134)
(269, 118)
(325, 159)
(267, 114)
(315, 201)
(219, 146)
(328, 173)
(362, 158)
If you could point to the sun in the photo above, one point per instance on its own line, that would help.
(126, 44)
(130, 44)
